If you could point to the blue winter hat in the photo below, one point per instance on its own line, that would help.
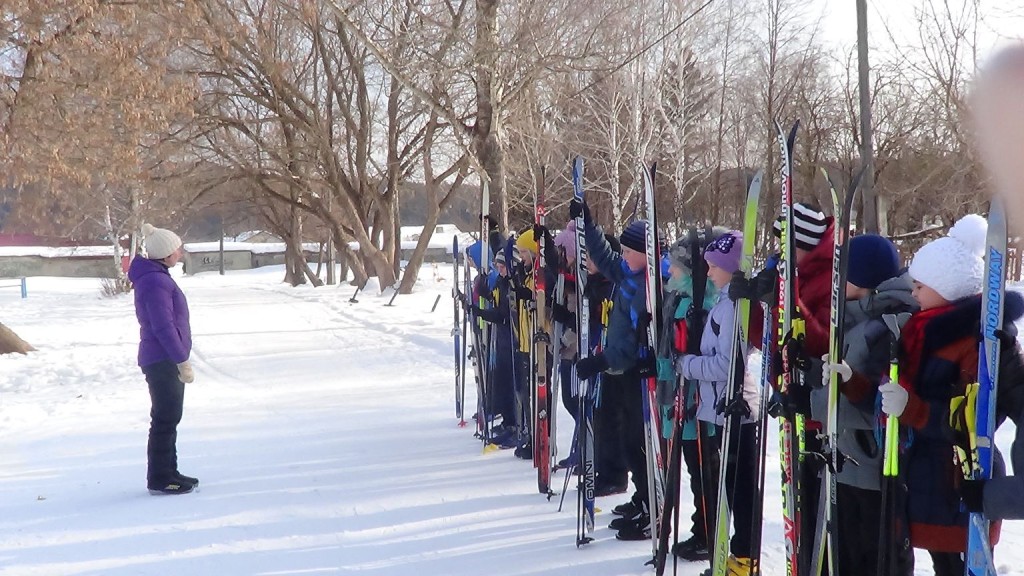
(634, 236)
(474, 252)
(873, 260)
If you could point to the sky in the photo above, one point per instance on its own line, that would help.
(1000, 21)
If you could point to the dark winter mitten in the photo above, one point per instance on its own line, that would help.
(797, 399)
(552, 256)
(591, 366)
(561, 314)
(647, 366)
(740, 288)
(489, 222)
(972, 493)
(765, 283)
(579, 208)
(523, 293)
(1007, 338)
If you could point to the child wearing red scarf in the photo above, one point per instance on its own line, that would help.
(938, 358)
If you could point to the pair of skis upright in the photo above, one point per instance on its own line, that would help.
(734, 406)
(824, 548)
(541, 342)
(584, 434)
(825, 553)
(978, 558)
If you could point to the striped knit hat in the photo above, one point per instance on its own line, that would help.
(634, 236)
(809, 225)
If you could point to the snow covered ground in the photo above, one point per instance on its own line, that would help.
(323, 432)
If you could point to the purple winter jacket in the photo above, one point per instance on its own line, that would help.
(162, 311)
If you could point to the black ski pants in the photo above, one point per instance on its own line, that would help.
(523, 369)
(633, 432)
(502, 378)
(740, 482)
(810, 495)
(860, 515)
(571, 403)
(609, 431)
(701, 457)
(947, 563)
(167, 395)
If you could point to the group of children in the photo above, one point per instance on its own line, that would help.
(937, 301)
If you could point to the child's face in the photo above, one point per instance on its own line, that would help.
(719, 277)
(927, 297)
(635, 260)
(527, 257)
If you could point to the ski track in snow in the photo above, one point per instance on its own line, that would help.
(324, 435)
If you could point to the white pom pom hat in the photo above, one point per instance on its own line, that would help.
(954, 265)
(160, 243)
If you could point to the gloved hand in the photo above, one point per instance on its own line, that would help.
(561, 314)
(523, 293)
(647, 366)
(489, 222)
(591, 366)
(797, 399)
(894, 398)
(577, 209)
(842, 369)
(766, 281)
(742, 288)
(1007, 338)
(552, 254)
(972, 492)
(463, 298)
(185, 372)
(760, 287)
(681, 364)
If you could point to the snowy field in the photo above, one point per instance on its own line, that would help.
(323, 433)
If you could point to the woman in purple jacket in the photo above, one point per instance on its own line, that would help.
(166, 342)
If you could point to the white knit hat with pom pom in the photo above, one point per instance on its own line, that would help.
(954, 265)
(160, 243)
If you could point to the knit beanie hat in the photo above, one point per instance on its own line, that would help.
(160, 243)
(634, 236)
(873, 259)
(954, 265)
(680, 253)
(566, 240)
(526, 241)
(499, 258)
(809, 225)
(726, 251)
